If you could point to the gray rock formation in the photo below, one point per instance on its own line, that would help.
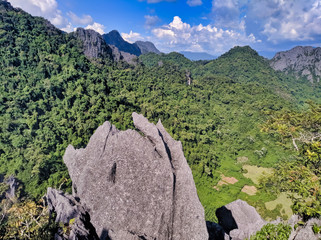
(13, 186)
(123, 56)
(137, 185)
(147, 47)
(94, 45)
(304, 232)
(239, 219)
(67, 208)
(302, 61)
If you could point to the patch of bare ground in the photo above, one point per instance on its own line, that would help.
(225, 180)
(250, 190)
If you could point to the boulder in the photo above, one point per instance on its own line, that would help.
(304, 232)
(137, 185)
(70, 212)
(239, 219)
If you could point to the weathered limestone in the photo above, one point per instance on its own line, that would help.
(137, 187)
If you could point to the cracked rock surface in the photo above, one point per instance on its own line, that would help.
(136, 185)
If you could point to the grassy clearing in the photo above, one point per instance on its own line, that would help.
(213, 193)
(255, 173)
(283, 201)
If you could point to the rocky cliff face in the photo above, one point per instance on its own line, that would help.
(68, 209)
(94, 45)
(147, 47)
(123, 56)
(136, 185)
(302, 61)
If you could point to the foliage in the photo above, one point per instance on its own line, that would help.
(273, 232)
(25, 220)
(300, 176)
(316, 228)
(51, 96)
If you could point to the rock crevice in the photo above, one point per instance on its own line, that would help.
(137, 187)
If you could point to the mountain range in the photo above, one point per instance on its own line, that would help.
(195, 56)
(233, 116)
(137, 48)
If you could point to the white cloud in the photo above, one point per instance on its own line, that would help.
(180, 36)
(49, 10)
(44, 8)
(69, 28)
(193, 3)
(288, 20)
(228, 14)
(131, 37)
(83, 20)
(151, 21)
(97, 27)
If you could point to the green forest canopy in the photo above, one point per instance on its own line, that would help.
(51, 96)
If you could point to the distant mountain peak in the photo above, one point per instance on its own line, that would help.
(303, 61)
(194, 56)
(115, 34)
(147, 47)
(137, 48)
(241, 49)
(114, 38)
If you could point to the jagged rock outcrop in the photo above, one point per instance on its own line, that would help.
(302, 61)
(303, 232)
(13, 186)
(123, 56)
(69, 211)
(114, 38)
(147, 47)
(137, 185)
(94, 45)
(239, 219)
(11, 189)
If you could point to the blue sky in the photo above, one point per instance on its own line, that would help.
(212, 26)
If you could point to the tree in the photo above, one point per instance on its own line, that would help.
(299, 176)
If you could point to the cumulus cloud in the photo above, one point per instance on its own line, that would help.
(132, 37)
(228, 13)
(193, 3)
(97, 27)
(45, 8)
(49, 10)
(151, 21)
(83, 20)
(288, 20)
(180, 36)
(69, 28)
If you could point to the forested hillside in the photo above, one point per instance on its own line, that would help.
(51, 96)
